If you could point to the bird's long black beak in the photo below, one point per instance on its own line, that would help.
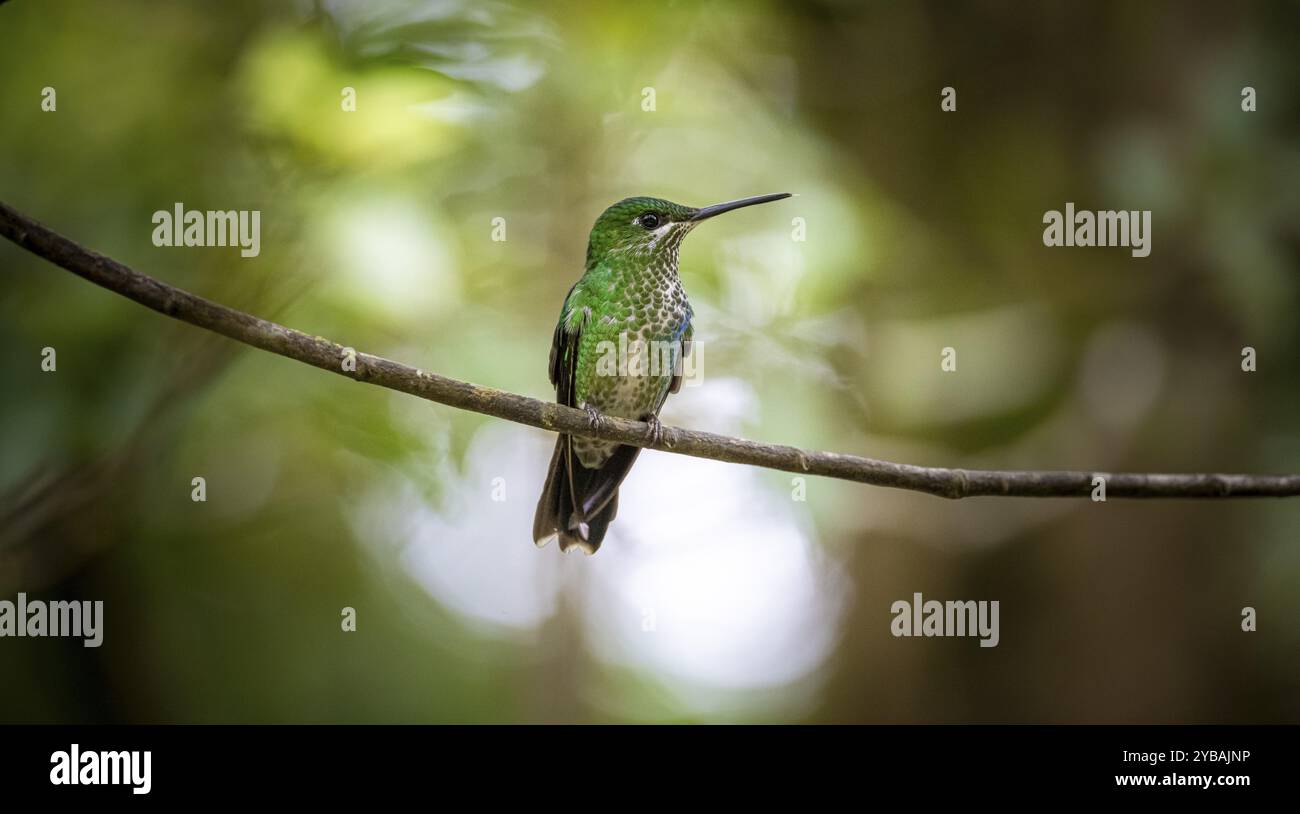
(717, 209)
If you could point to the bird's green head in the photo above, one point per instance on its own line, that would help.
(645, 227)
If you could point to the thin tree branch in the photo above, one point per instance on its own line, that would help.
(327, 355)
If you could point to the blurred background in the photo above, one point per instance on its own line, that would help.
(719, 594)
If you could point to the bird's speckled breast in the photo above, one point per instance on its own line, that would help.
(624, 304)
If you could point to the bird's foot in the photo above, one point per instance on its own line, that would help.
(656, 430)
(595, 419)
(658, 433)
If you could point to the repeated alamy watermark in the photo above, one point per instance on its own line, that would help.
(1128, 228)
(214, 227)
(73, 619)
(653, 358)
(952, 618)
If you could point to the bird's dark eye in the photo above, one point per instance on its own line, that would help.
(650, 220)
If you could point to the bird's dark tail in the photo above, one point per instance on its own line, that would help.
(577, 503)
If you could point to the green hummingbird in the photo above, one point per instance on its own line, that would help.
(630, 303)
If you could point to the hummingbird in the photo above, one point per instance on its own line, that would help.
(629, 297)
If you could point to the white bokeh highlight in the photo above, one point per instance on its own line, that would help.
(718, 556)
